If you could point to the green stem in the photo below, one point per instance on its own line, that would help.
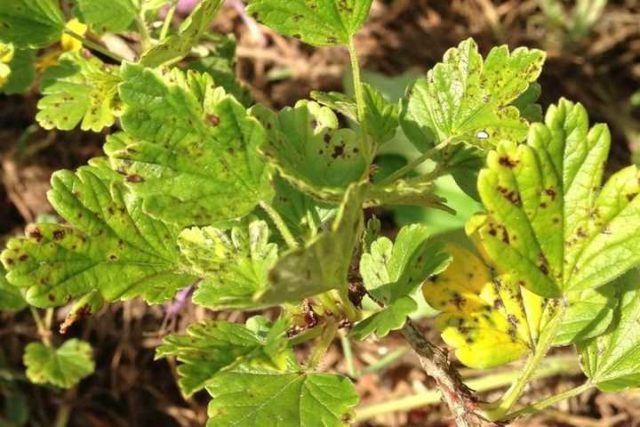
(498, 410)
(94, 46)
(552, 366)
(43, 332)
(167, 21)
(348, 356)
(414, 163)
(357, 80)
(542, 404)
(280, 225)
(328, 334)
(305, 336)
(145, 38)
(62, 417)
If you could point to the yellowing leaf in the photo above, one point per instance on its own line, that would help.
(69, 43)
(488, 320)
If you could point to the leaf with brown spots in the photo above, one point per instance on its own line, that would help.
(548, 219)
(79, 91)
(310, 151)
(468, 99)
(392, 272)
(233, 266)
(317, 22)
(110, 245)
(488, 320)
(189, 168)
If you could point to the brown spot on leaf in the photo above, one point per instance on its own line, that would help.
(58, 235)
(508, 162)
(134, 179)
(213, 120)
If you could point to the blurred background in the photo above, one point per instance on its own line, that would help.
(593, 56)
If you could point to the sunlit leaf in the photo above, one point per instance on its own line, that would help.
(10, 296)
(79, 90)
(468, 99)
(189, 149)
(317, 22)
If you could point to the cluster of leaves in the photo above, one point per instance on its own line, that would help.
(258, 208)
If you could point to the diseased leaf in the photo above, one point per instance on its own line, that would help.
(111, 246)
(190, 150)
(338, 102)
(113, 15)
(612, 361)
(302, 214)
(323, 263)
(79, 90)
(310, 150)
(317, 22)
(255, 397)
(468, 99)
(31, 23)
(10, 296)
(549, 220)
(380, 115)
(233, 266)
(392, 272)
(62, 367)
(213, 346)
(488, 320)
(177, 46)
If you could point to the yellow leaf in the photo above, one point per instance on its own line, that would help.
(70, 43)
(488, 320)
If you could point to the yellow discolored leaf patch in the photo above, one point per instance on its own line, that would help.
(488, 320)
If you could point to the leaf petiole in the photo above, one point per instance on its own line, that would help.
(429, 154)
(552, 400)
(94, 46)
(280, 225)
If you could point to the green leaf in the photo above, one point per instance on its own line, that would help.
(410, 192)
(177, 46)
(612, 361)
(526, 104)
(10, 296)
(111, 246)
(323, 263)
(31, 23)
(392, 272)
(488, 320)
(588, 314)
(113, 15)
(79, 90)
(310, 151)
(302, 214)
(212, 346)
(233, 266)
(317, 22)
(468, 99)
(190, 150)
(257, 397)
(220, 64)
(549, 220)
(380, 115)
(62, 367)
(338, 102)
(21, 70)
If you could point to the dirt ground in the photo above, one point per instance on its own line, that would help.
(601, 69)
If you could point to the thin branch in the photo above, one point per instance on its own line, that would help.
(434, 360)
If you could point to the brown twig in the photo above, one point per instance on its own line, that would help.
(460, 399)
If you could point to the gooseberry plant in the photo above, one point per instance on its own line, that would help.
(255, 208)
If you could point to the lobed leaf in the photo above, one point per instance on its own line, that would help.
(317, 22)
(62, 367)
(233, 266)
(113, 16)
(489, 321)
(612, 360)
(111, 246)
(380, 116)
(323, 263)
(392, 272)
(468, 99)
(213, 346)
(549, 220)
(309, 149)
(79, 90)
(257, 397)
(10, 297)
(31, 23)
(177, 46)
(190, 150)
